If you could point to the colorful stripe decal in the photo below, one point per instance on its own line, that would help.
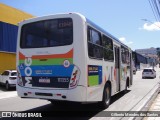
(54, 70)
(56, 59)
(49, 71)
(66, 55)
(93, 80)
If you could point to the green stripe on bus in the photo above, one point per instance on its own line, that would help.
(57, 61)
(93, 80)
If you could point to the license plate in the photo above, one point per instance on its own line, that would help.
(44, 80)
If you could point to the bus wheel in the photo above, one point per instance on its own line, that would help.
(127, 85)
(106, 96)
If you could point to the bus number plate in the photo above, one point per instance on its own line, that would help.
(44, 80)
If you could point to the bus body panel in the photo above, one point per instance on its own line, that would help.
(73, 56)
(76, 94)
(68, 63)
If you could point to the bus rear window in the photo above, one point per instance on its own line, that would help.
(47, 33)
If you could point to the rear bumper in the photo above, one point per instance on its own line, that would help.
(78, 94)
(149, 76)
(12, 85)
(12, 82)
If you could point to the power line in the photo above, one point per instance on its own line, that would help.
(155, 6)
(152, 10)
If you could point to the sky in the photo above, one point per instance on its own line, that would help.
(124, 19)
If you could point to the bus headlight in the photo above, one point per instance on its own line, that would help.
(75, 77)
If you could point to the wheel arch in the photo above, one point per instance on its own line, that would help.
(110, 85)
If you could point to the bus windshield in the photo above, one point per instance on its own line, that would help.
(47, 33)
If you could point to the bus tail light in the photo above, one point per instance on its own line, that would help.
(73, 81)
(19, 78)
(75, 77)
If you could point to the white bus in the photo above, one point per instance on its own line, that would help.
(66, 57)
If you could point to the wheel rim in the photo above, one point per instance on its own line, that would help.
(7, 86)
(107, 96)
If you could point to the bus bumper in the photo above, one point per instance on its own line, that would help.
(78, 94)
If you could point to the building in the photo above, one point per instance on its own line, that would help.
(139, 60)
(158, 53)
(151, 53)
(147, 51)
(9, 19)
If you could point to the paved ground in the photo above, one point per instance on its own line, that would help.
(10, 94)
(154, 107)
(156, 104)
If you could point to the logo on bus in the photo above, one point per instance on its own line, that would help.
(66, 63)
(28, 71)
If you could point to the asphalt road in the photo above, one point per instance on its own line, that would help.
(133, 100)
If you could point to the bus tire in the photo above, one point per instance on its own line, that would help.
(106, 96)
(127, 85)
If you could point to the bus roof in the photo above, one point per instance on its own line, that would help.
(105, 32)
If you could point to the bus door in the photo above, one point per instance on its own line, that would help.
(117, 67)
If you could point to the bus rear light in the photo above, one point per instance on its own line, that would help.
(19, 82)
(73, 81)
(19, 79)
(75, 77)
(73, 84)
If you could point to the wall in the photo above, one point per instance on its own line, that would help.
(7, 61)
(8, 35)
(12, 15)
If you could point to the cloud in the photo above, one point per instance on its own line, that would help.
(123, 40)
(151, 27)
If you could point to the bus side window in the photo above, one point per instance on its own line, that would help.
(108, 48)
(95, 49)
(125, 55)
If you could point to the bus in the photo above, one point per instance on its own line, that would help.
(66, 57)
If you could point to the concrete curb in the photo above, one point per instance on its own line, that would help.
(146, 102)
